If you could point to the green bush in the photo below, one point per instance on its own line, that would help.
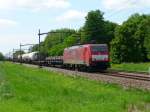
(1, 57)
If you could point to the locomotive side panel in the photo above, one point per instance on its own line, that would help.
(87, 56)
(74, 55)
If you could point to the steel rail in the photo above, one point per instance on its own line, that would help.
(129, 76)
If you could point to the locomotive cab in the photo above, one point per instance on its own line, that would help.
(99, 56)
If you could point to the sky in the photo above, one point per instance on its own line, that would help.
(20, 20)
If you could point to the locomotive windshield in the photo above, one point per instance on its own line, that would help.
(99, 48)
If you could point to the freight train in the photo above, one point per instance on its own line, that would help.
(80, 57)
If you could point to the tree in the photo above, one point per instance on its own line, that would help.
(72, 40)
(55, 39)
(146, 26)
(1, 57)
(109, 28)
(58, 49)
(96, 28)
(128, 44)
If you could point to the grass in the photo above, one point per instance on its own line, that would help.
(24, 89)
(132, 67)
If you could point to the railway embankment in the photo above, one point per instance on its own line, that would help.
(127, 80)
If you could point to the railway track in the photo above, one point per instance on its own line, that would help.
(135, 76)
(129, 76)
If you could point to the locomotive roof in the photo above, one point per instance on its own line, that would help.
(77, 46)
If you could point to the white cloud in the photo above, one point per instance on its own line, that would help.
(5, 23)
(71, 15)
(125, 4)
(33, 4)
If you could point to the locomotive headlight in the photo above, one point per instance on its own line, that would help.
(93, 59)
(106, 58)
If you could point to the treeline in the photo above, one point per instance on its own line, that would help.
(129, 42)
(1, 57)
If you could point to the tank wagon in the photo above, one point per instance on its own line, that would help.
(29, 57)
(88, 56)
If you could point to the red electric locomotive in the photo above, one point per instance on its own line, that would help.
(87, 56)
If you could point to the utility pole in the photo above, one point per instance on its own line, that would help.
(39, 48)
(13, 55)
(20, 55)
(51, 32)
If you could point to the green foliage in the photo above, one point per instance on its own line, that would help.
(57, 50)
(109, 31)
(97, 29)
(27, 89)
(72, 40)
(1, 57)
(128, 44)
(146, 27)
(94, 26)
(55, 39)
